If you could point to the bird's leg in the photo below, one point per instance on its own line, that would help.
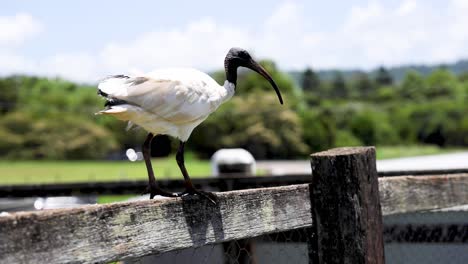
(153, 188)
(189, 188)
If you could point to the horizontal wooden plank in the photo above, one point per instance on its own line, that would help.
(447, 233)
(416, 193)
(103, 233)
(426, 233)
(421, 172)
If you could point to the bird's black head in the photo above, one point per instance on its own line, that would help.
(238, 57)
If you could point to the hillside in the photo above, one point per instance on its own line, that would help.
(397, 72)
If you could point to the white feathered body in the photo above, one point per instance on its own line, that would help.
(168, 101)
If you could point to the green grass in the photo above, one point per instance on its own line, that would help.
(390, 152)
(102, 199)
(27, 172)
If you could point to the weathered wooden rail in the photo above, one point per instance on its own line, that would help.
(101, 233)
(343, 204)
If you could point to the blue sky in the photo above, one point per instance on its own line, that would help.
(85, 40)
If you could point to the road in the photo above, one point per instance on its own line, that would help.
(457, 160)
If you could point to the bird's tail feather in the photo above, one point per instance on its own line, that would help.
(119, 112)
(113, 85)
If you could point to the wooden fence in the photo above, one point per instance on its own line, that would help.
(343, 204)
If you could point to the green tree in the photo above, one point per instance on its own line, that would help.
(386, 94)
(441, 83)
(345, 138)
(310, 81)
(463, 77)
(62, 137)
(441, 122)
(362, 85)
(257, 123)
(373, 128)
(339, 88)
(319, 129)
(8, 94)
(383, 77)
(126, 138)
(413, 86)
(249, 81)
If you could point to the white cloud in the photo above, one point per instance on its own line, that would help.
(16, 29)
(201, 44)
(78, 67)
(379, 34)
(376, 33)
(73, 66)
(369, 35)
(286, 14)
(412, 32)
(406, 7)
(13, 63)
(361, 16)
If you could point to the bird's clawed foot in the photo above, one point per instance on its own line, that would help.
(192, 191)
(154, 190)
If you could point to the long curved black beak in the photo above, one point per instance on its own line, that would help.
(253, 65)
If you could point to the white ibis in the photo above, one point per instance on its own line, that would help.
(173, 102)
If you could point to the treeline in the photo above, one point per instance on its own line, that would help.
(378, 111)
(54, 119)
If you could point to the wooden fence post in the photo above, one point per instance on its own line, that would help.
(347, 219)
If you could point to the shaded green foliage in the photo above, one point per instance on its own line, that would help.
(362, 86)
(372, 127)
(310, 80)
(54, 119)
(23, 136)
(440, 122)
(412, 86)
(397, 73)
(441, 83)
(383, 77)
(257, 123)
(8, 94)
(339, 87)
(249, 81)
(319, 128)
(418, 110)
(51, 119)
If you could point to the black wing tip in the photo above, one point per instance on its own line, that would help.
(110, 101)
(113, 101)
(101, 93)
(119, 76)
